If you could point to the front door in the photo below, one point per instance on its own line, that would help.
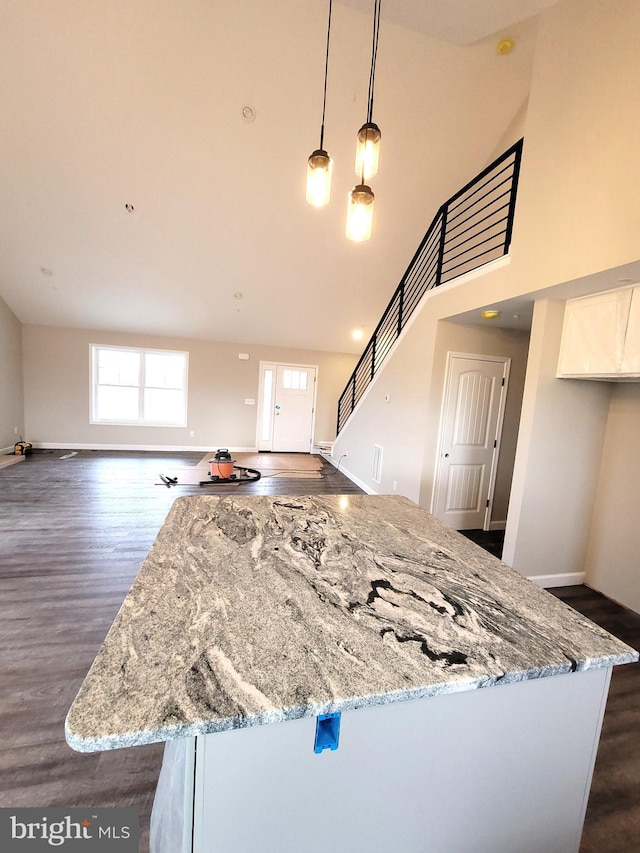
(288, 406)
(472, 414)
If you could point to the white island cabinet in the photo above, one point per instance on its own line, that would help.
(348, 674)
(484, 771)
(601, 336)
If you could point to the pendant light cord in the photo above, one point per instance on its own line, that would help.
(326, 72)
(374, 57)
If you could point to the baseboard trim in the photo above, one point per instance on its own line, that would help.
(4, 450)
(569, 579)
(155, 448)
(498, 525)
(366, 489)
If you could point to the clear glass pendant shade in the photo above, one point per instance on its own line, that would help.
(360, 213)
(319, 168)
(368, 151)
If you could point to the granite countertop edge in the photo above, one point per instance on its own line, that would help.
(354, 703)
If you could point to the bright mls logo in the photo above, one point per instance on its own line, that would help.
(82, 830)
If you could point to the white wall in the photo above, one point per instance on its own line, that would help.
(514, 132)
(556, 469)
(397, 425)
(613, 561)
(577, 214)
(11, 396)
(56, 383)
(578, 209)
(413, 377)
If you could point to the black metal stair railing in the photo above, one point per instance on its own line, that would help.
(471, 229)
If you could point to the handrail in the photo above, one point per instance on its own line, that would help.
(442, 256)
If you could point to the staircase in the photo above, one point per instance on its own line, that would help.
(469, 230)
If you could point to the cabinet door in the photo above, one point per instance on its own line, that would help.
(593, 334)
(631, 354)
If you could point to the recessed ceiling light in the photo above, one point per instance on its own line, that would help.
(357, 334)
(248, 113)
(490, 315)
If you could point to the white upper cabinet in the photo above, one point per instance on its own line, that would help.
(631, 354)
(601, 336)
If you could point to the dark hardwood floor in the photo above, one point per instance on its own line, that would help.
(73, 534)
(612, 824)
(491, 540)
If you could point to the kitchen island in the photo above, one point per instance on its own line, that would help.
(464, 703)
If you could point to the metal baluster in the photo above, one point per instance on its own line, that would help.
(512, 200)
(443, 234)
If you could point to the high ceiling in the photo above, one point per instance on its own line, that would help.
(457, 21)
(140, 103)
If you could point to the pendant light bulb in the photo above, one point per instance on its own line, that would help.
(368, 142)
(319, 168)
(320, 164)
(360, 213)
(368, 150)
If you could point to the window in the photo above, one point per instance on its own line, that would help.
(267, 405)
(135, 386)
(295, 380)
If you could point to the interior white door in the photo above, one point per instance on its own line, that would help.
(473, 408)
(293, 408)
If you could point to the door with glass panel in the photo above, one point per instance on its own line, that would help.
(287, 407)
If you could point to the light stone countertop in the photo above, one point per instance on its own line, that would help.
(251, 610)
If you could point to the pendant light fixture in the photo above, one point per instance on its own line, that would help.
(368, 143)
(320, 164)
(361, 197)
(360, 213)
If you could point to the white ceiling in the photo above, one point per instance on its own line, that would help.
(460, 22)
(140, 102)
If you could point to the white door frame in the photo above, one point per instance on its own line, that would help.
(496, 450)
(267, 444)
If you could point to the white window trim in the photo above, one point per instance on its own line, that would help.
(93, 377)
